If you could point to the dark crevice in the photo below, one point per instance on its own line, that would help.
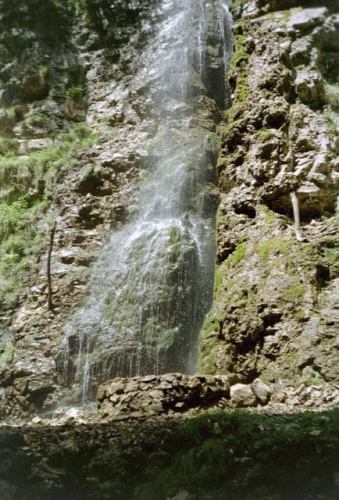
(276, 121)
(310, 209)
(271, 320)
(323, 275)
(246, 210)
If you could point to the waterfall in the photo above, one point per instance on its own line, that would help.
(152, 284)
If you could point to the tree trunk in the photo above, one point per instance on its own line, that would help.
(295, 206)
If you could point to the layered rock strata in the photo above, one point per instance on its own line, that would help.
(175, 394)
(157, 395)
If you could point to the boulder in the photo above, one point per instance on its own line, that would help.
(242, 395)
(261, 391)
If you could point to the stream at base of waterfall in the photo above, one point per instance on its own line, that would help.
(153, 282)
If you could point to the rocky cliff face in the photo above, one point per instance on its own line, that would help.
(65, 159)
(73, 118)
(275, 312)
(84, 129)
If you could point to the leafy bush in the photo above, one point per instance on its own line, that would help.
(36, 14)
(248, 456)
(76, 93)
(8, 146)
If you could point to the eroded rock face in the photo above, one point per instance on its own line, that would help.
(275, 314)
(175, 394)
(276, 298)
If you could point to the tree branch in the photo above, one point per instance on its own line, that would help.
(296, 215)
(49, 281)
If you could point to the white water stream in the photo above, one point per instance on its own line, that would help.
(152, 284)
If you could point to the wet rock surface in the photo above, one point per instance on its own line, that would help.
(51, 85)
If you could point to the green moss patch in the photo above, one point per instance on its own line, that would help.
(270, 247)
(7, 355)
(237, 3)
(294, 292)
(238, 255)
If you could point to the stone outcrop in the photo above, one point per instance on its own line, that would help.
(163, 394)
(175, 394)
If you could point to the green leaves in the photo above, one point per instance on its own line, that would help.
(248, 456)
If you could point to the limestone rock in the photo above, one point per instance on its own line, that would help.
(262, 324)
(303, 19)
(160, 394)
(261, 391)
(242, 395)
(309, 86)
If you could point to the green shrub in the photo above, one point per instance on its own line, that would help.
(8, 146)
(249, 456)
(7, 355)
(76, 93)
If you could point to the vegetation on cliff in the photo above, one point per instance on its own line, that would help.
(53, 17)
(28, 185)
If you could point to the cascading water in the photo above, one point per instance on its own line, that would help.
(152, 284)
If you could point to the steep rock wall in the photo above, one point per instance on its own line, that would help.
(276, 304)
(275, 312)
(75, 150)
(65, 158)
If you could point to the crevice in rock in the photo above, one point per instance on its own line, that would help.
(270, 321)
(246, 210)
(276, 121)
(309, 208)
(323, 275)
